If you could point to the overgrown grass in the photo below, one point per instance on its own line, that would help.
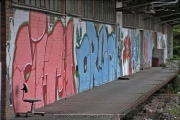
(176, 84)
(175, 57)
(174, 111)
(174, 87)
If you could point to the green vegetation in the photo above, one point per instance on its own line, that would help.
(176, 41)
(174, 111)
(174, 88)
(176, 84)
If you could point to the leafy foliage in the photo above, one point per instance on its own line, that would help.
(174, 111)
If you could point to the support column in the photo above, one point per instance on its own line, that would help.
(6, 13)
(169, 41)
(3, 60)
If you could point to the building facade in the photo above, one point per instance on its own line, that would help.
(60, 48)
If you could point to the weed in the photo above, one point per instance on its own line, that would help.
(174, 110)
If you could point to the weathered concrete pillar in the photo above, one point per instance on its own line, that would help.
(170, 41)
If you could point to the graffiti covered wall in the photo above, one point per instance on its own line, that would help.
(135, 37)
(59, 56)
(37, 50)
(96, 54)
(148, 48)
(127, 52)
(131, 51)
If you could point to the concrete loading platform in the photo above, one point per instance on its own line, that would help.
(110, 101)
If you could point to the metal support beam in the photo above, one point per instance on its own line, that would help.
(129, 7)
(174, 23)
(148, 3)
(165, 21)
(167, 15)
(156, 2)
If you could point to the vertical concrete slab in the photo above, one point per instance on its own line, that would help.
(119, 17)
(148, 42)
(169, 41)
(161, 51)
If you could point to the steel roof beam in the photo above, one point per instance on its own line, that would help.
(162, 16)
(139, 5)
(129, 7)
(165, 21)
(175, 23)
(169, 2)
(171, 23)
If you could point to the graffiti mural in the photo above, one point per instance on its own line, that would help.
(40, 57)
(97, 54)
(148, 47)
(165, 47)
(131, 51)
(60, 56)
(135, 37)
(127, 52)
(119, 36)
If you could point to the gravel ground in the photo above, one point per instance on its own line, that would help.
(157, 107)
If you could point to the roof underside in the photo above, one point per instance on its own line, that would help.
(166, 10)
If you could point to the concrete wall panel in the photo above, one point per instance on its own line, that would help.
(131, 51)
(148, 47)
